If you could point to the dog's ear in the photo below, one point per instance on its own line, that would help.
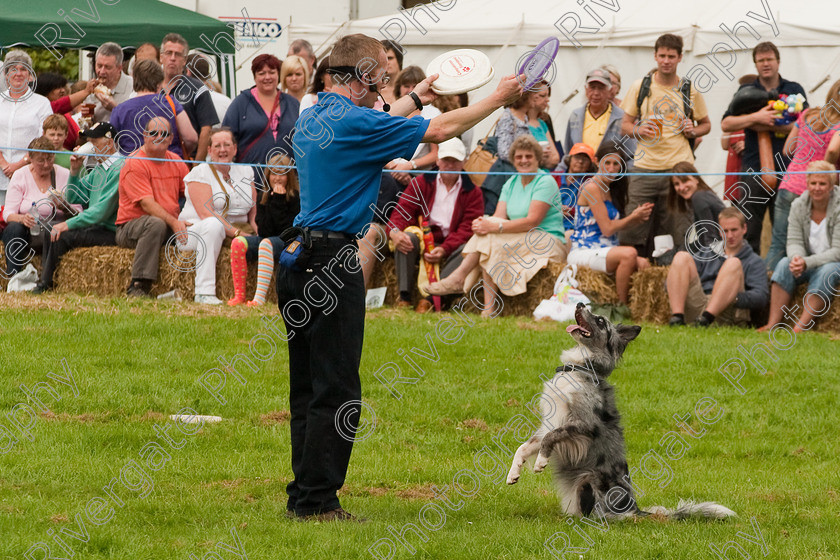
(628, 332)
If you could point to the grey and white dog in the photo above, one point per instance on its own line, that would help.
(581, 434)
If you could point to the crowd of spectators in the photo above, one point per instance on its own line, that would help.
(619, 175)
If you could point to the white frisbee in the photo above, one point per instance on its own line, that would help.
(460, 71)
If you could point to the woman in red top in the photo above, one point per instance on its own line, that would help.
(54, 87)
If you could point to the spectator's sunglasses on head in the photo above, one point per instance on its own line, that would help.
(157, 133)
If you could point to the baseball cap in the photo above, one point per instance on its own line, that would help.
(599, 75)
(101, 130)
(581, 148)
(453, 148)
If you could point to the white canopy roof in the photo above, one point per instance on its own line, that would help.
(621, 33)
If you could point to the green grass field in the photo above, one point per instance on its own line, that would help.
(772, 455)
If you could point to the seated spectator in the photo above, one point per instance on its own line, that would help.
(276, 212)
(321, 82)
(808, 141)
(450, 202)
(263, 118)
(54, 87)
(375, 240)
(148, 210)
(580, 163)
(600, 205)
(98, 191)
(21, 115)
(28, 190)
(524, 205)
(598, 120)
(56, 130)
(690, 193)
(108, 65)
(198, 67)
(221, 201)
(425, 155)
(131, 116)
(813, 251)
(709, 286)
(295, 76)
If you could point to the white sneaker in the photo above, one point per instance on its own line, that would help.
(208, 300)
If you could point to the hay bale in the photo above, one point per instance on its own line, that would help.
(648, 299)
(597, 286)
(35, 260)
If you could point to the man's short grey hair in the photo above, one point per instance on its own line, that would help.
(301, 45)
(174, 38)
(110, 49)
(17, 56)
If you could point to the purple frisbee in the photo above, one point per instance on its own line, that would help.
(537, 63)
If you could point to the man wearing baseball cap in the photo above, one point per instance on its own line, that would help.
(599, 119)
(99, 191)
(450, 202)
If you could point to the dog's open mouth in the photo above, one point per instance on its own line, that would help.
(582, 325)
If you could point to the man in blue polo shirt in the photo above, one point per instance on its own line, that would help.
(341, 145)
(766, 59)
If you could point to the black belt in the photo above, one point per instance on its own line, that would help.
(326, 234)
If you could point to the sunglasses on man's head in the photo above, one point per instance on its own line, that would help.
(157, 133)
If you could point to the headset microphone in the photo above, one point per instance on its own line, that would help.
(385, 106)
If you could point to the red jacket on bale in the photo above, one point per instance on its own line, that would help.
(418, 199)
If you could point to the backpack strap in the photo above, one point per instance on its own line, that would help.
(644, 91)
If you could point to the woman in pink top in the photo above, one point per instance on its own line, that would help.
(28, 185)
(808, 141)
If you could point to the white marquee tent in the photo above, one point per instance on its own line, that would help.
(622, 33)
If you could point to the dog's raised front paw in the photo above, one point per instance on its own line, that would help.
(540, 463)
(512, 478)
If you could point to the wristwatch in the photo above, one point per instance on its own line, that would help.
(413, 164)
(416, 98)
(501, 226)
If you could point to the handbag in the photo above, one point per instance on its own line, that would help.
(562, 304)
(481, 159)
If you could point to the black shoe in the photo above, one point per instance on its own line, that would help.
(39, 289)
(337, 514)
(677, 321)
(139, 288)
(702, 322)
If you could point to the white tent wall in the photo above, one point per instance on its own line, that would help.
(809, 53)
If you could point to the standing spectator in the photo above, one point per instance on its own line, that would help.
(108, 61)
(99, 192)
(813, 251)
(759, 199)
(198, 66)
(131, 116)
(146, 51)
(29, 186)
(450, 202)
(148, 211)
(394, 54)
(21, 113)
(539, 128)
(714, 286)
(599, 120)
(54, 87)
(220, 201)
(664, 137)
(263, 118)
(303, 48)
(807, 142)
(615, 83)
(733, 144)
(321, 82)
(189, 92)
(55, 130)
(598, 218)
(294, 76)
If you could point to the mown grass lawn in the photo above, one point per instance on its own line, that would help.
(772, 456)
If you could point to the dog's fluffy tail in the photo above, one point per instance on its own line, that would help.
(688, 508)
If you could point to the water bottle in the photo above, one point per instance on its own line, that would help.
(35, 230)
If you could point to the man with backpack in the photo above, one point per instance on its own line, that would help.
(665, 114)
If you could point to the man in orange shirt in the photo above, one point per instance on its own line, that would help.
(148, 211)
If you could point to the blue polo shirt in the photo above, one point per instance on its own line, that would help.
(340, 150)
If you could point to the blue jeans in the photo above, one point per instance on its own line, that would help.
(821, 280)
(778, 244)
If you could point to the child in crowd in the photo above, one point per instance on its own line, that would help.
(56, 129)
(276, 211)
(580, 159)
(598, 219)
